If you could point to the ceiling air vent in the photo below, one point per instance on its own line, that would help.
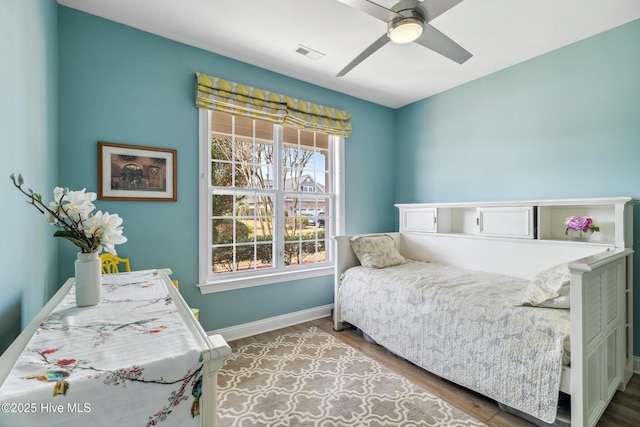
(308, 52)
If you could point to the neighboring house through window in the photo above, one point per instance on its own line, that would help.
(263, 188)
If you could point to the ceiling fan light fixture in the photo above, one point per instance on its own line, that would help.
(405, 30)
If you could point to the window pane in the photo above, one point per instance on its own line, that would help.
(221, 147)
(292, 224)
(295, 161)
(243, 207)
(244, 168)
(221, 122)
(263, 165)
(265, 255)
(309, 252)
(221, 174)
(264, 130)
(307, 138)
(264, 205)
(290, 135)
(228, 230)
(292, 253)
(322, 141)
(320, 167)
(222, 259)
(245, 256)
(243, 126)
(222, 205)
(243, 150)
(218, 234)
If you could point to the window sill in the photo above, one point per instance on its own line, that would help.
(266, 279)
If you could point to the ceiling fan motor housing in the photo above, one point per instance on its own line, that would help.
(407, 28)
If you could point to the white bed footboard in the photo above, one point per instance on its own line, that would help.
(599, 348)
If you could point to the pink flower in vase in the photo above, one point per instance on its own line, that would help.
(581, 224)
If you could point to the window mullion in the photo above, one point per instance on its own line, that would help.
(234, 163)
(279, 208)
(337, 182)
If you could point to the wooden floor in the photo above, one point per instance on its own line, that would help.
(623, 411)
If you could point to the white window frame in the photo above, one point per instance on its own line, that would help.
(208, 283)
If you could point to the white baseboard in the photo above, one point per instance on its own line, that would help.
(272, 323)
(636, 364)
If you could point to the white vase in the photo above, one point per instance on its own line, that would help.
(88, 279)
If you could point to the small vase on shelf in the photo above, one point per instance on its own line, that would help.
(580, 235)
(88, 279)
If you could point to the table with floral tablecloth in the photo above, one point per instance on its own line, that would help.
(131, 360)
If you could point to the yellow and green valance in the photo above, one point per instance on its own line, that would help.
(310, 116)
(214, 93)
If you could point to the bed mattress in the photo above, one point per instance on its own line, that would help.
(466, 326)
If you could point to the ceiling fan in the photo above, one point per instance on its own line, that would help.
(408, 21)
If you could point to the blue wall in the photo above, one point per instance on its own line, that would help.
(28, 136)
(563, 125)
(122, 85)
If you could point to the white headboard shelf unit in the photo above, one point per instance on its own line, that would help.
(529, 219)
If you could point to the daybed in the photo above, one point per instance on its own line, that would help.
(452, 303)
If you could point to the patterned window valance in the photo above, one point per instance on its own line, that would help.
(213, 93)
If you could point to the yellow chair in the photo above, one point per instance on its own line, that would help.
(111, 263)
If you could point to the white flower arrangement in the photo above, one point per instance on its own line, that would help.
(72, 211)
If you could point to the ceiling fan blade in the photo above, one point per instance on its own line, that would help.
(430, 9)
(373, 9)
(384, 39)
(439, 43)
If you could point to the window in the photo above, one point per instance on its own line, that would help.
(258, 221)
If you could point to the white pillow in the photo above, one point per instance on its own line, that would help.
(549, 288)
(376, 251)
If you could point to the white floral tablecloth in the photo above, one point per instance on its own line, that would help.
(129, 361)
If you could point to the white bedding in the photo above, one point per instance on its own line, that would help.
(465, 326)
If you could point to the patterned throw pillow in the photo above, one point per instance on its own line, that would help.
(550, 288)
(376, 251)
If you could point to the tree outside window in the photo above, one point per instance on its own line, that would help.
(262, 217)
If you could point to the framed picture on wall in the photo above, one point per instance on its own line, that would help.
(131, 172)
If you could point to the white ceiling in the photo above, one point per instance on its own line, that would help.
(266, 33)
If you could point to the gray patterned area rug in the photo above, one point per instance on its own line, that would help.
(310, 378)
